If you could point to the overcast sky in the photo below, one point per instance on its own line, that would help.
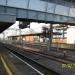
(13, 30)
(35, 28)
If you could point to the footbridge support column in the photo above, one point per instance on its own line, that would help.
(49, 43)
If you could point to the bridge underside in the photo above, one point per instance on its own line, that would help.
(70, 1)
(4, 26)
(6, 20)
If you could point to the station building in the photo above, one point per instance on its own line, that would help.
(64, 41)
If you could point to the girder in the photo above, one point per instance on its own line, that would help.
(48, 11)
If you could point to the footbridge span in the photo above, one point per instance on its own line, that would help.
(48, 11)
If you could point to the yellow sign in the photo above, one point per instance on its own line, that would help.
(70, 66)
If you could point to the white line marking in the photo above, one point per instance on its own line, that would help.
(28, 64)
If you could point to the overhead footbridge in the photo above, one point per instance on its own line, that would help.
(48, 11)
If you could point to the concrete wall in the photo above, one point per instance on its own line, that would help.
(71, 35)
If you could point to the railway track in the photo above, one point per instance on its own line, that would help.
(27, 55)
(62, 50)
(43, 69)
(13, 65)
(45, 45)
(61, 60)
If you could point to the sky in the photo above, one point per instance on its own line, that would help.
(35, 28)
(14, 29)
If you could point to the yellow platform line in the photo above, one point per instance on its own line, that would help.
(6, 67)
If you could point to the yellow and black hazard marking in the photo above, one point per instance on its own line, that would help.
(8, 71)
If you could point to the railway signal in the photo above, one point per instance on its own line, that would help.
(24, 24)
